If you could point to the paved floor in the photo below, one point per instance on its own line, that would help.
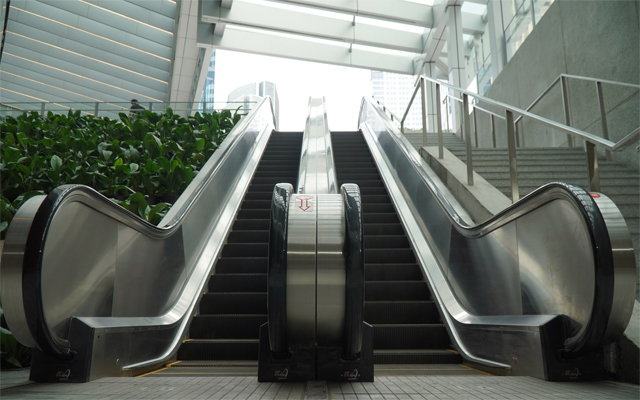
(385, 387)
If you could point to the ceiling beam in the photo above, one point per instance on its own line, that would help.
(261, 15)
(301, 48)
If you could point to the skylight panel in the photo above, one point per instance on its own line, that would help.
(390, 25)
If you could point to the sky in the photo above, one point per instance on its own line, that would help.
(342, 87)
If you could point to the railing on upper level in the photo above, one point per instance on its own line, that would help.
(469, 112)
(112, 109)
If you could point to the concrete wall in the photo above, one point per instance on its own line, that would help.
(599, 39)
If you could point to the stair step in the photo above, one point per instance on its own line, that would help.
(253, 283)
(219, 349)
(410, 336)
(401, 312)
(389, 255)
(246, 249)
(386, 242)
(391, 272)
(242, 326)
(396, 291)
(233, 303)
(242, 265)
(248, 237)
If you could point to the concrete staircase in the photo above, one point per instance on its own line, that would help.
(537, 166)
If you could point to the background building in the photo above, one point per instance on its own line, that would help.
(244, 93)
(394, 91)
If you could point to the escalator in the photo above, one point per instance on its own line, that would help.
(537, 290)
(398, 303)
(235, 304)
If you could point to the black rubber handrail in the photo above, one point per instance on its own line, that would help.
(277, 272)
(354, 260)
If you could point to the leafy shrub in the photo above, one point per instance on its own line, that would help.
(131, 160)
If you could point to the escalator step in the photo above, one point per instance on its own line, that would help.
(245, 249)
(378, 208)
(365, 184)
(254, 187)
(401, 312)
(233, 303)
(251, 225)
(372, 191)
(411, 336)
(382, 256)
(259, 196)
(226, 326)
(254, 214)
(253, 283)
(392, 272)
(219, 349)
(388, 218)
(256, 205)
(248, 237)
(382, 229)
(386, 242)
(416, 357)
(242, 265)
(396, 291)
(366, 199)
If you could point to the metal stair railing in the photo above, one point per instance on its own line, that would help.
(510, 112)
(112, 109)
(563, 80)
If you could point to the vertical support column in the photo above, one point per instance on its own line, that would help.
(423, 101)
(566, 107)
(496, 37)
(603, 116)
(95, 109)
(513, 165)
(439, 123)
(42, 105)
(467, 135)
(594, 172)
(455, 56)
(493, 130)
(429, 69)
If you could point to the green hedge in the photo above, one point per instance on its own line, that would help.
(139, 162)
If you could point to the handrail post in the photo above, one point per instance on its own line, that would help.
(475, 125)
(402, 127)
(513, 166)
(42, 105)
(565, 105)
(150, 107)
(423, 95)
(493, 130)
(592, 164)
(603, 116)
(95, 109)
(467, 135)
(439, 122)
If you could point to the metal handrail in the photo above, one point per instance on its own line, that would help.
(591, 140)
(562, 78)
(97, 107)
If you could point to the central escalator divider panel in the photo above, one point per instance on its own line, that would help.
(235, 305)
(398, 303)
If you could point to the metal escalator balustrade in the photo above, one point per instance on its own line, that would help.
(398, 303)
(235, 305)
(536, 290)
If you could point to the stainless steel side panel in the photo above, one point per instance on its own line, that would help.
(331, 269)
(301, 270)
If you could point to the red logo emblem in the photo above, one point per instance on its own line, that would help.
(304, 202)
(595, 195)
